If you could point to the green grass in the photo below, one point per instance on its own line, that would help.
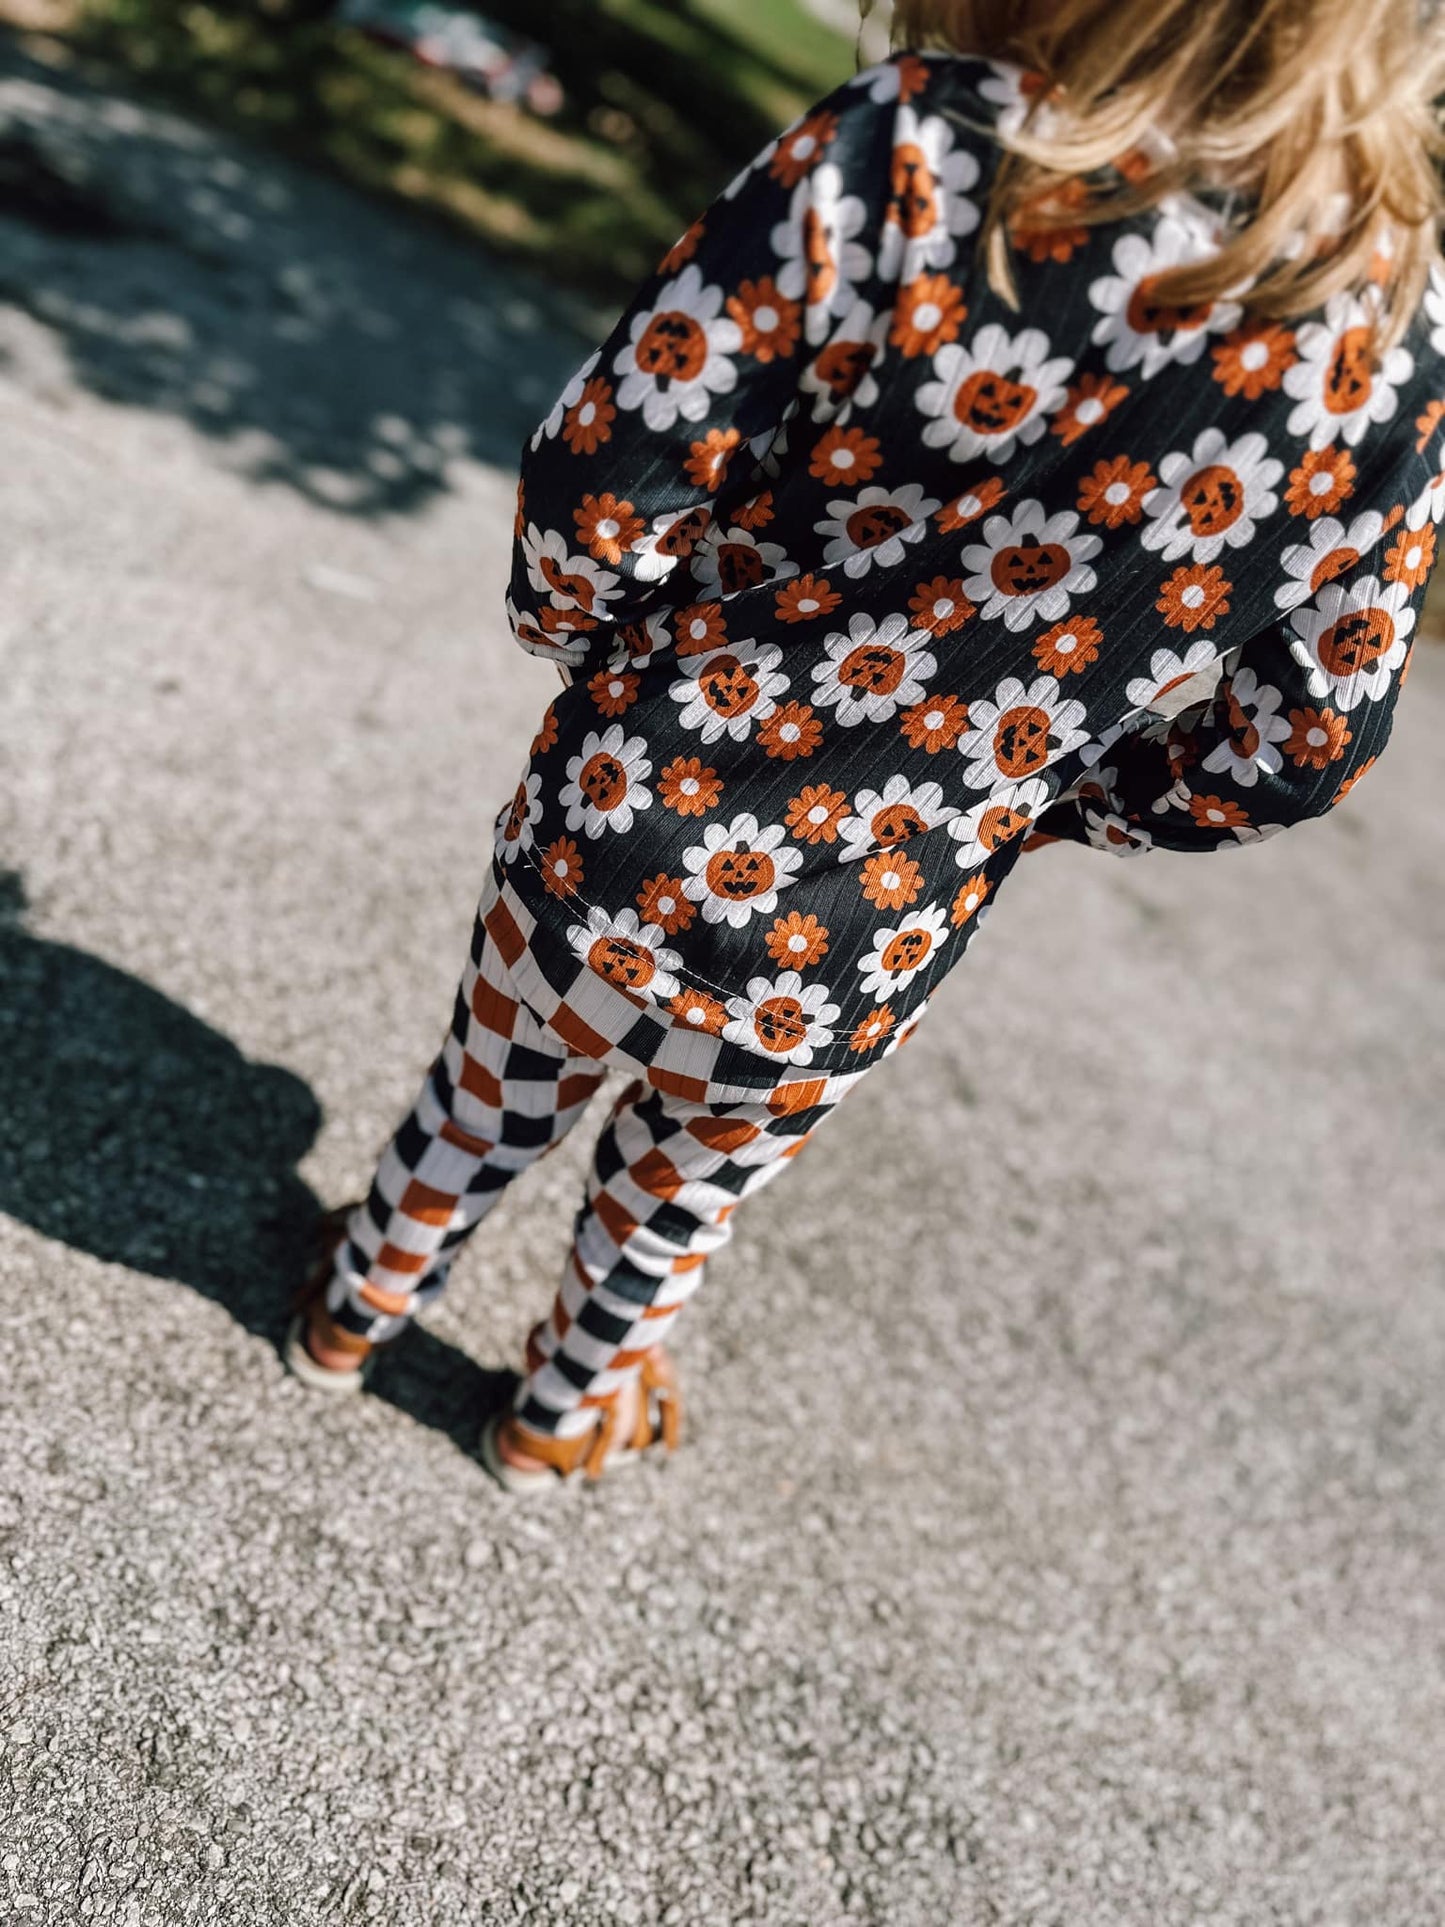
(666, 99)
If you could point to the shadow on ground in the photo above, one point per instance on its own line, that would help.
(131, 1130)
(327, 344)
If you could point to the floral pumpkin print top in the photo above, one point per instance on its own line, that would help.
(863, 579)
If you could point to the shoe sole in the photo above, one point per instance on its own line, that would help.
(317, 1378)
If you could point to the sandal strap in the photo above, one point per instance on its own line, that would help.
(659, 1417)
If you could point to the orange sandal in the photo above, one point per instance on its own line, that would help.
(323, 1355)
(589, 1454)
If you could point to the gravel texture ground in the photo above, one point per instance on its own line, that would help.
(1059, 1538)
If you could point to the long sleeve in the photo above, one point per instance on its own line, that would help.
(1293, 725)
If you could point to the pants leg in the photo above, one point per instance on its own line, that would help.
(503, 1092)
(666, 1177)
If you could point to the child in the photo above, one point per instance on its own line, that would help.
(1090, 352)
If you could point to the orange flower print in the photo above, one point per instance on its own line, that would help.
(806, 598)
(969, 506)
(699, 628)
(607, 527)
(769, 321)
(1088, 402)
(891, 880)
(929, 311)
(1044, 229)
(698, 1011)
(546, 732)
(707, 461)
(934, 724)
(798, 941)
(613, 691)
(845, 456)
(1322, 484)
(1194, 597)
(969, 901)
(940, 606)
(687, 787)
(562, 867)
(1068, 646)
(755, 514)
(873, 1029)
(815, 813)
(1353, 778)
(588, 423)
(791, 731)
(683, 248)
(1217, 814)
(1254, 360)
(1317, 738)
(661, 901)
(1411, 557)
(1114, 493)
(1427, 423)
(799, 151)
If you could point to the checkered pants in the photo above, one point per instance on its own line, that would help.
(666, 1174)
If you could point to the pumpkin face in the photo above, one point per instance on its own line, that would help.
(728, 688)
(914, 206)
(818, 258)
(516, 816)
(682, 538)
(1357, 641)
(1148, 315)
(991, 404)
(673, 347)
(1331, 567)
(906, 951)
(737, 875)
(872, 670)
(1000, 825)
(571, 588)
(1243, 736)
(868, 527)
(1021, 740)
(895, 823)
(603, 781)
(1213, 499)
(1349, 380)
(1030, 567)
(739, 566)
(628, 965)
(780, 1024)
(843, 364)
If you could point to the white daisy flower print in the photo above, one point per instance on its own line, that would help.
(1029, 566)
(782, 1018)
(1140, 331)
(992, 394)
(1255, 728)
(671, 539)
(730, 691)
(1336, 384)
(1006, 812)
(736, 559)
(679, 357)
(1354, 639)
(1212, 499)
(516, 827)
(607, 782)
(929, 207)
(873, 671)
(549, 429)
(629, 953)
(875, 526)
(737, 870)
(900, 952)
(884, 819)
(568, 581)
(1168, 672)
(1333, 550)
(1435, 308)
(840, 377)
(822, 260)
(1019, 732)
(1015, 93)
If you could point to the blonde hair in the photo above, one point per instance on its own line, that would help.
(1319, 114)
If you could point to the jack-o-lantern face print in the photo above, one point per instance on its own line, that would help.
(1030, 567)
(739, 875)
(821, 268)
(1244, 737)
(1356, 642)
(873, 670)
(780, 1024)
(1021, 740)
(868, 527)
(914, 206)
(673, 347)
(682, 538)
(1349, 378)
(1213, 499)
(991, 404)
(727, 688)
(629, 965)
(566, 588)
(1148, 315)
(603, 781)
(895, 823)
(1001, 825)
(739, 566)
(517, 815)
(905, 951)
(843, 364)
(1332, 566)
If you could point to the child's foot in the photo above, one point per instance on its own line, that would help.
(322, 1354)
(645, 1412)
